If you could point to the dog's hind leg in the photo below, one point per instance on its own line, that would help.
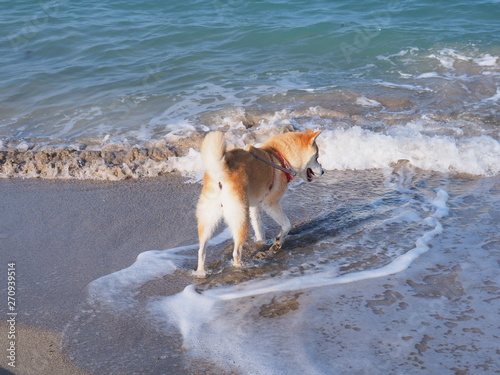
(208, 213)
(235, 211)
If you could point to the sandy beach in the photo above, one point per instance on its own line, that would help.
(64, 234)
(438, 316)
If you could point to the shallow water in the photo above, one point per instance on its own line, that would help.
(348, 228)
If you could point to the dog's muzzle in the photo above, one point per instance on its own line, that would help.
(311, 174)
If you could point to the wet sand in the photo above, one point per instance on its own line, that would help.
(440, 313)
(64, 234)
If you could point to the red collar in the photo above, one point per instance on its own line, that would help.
(286, 165)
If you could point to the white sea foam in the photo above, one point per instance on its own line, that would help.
(329, 277)
(426, 146)
(118, 289)
(189, 165)
(357, 149)
(494, 98)
(448, 56)
(445, 61)
(218, 324)
(486, 60)
(404, 52)
(365, 102)
(429, 75)
(213, 327)
(403, 86)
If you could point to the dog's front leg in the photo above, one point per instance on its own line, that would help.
(276, 212)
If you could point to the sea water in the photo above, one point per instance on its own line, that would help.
(125, 89)
(315, 307)
(406, 93)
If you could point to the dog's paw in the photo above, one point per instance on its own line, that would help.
(275, 248)
(237, 264)
(261, 255)
(199, 274)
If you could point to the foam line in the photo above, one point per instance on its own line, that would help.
(325, 278)
(117, 288)
(148, 266)
(208, 328)
(358, 149)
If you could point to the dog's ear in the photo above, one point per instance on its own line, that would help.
(313, 135)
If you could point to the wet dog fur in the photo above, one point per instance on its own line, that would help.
(237, 186)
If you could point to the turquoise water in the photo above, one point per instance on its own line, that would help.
(129, 72)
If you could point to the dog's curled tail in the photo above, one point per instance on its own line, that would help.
(213, 149)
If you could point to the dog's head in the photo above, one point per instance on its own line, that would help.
(311, 168)
(301, 151)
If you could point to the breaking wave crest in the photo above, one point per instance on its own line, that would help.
(426, 144)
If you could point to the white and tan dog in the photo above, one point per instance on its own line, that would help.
(239, 183)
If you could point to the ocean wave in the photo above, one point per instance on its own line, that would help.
(110, 162)
(425, 143)
(360, 149)
(436, 108)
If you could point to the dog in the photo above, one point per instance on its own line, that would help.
(239, 183)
